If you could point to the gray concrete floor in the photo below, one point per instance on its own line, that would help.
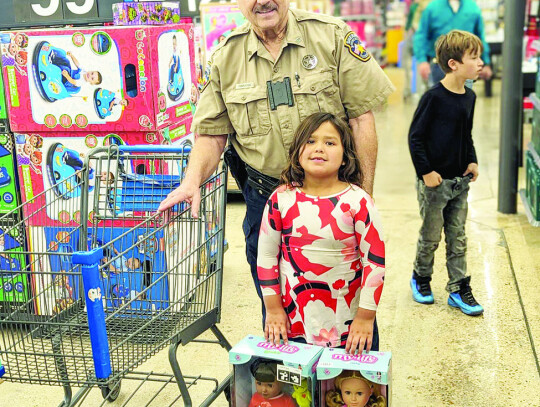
(440, 356)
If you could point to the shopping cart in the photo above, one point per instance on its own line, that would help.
(116, 283)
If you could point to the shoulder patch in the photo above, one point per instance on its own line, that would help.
(355, 47)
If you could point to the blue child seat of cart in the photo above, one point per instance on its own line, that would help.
(5, 179)
(102, 102)
(144, 193)
(62, 175)
(175, 88)
(48, 76)
(2, 370)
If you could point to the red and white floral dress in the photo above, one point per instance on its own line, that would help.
(325, 256)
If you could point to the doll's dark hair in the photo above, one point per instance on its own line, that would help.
(349, 172)
(264, 370)
(334, 398)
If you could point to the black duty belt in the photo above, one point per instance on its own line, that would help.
(263, 184)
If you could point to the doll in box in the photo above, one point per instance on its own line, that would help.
(269, 391)
(351, 389)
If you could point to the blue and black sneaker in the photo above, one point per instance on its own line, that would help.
(464, 299)
(421, 289)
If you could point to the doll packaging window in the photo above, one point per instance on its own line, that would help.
(273, 375)
(361, 380)
(99, 79)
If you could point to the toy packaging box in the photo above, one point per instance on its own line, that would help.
(102, 79)
(8, 177)
(3, 109)
(50, 172)
(146, 13)
(133, 262)
(14, 284)
(273, 375)
(362, 380)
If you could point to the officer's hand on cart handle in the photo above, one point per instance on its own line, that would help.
(432, 179)
(184, 193)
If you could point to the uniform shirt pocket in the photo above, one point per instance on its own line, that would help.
(318, 93)
(248, 111)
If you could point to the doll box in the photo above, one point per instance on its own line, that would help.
(9, 197)
(146, 13)
(298, 373)
(376, 367)
(100, 79)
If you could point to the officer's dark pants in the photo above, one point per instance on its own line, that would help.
(255, 204)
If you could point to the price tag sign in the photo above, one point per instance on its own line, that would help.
(289, 375)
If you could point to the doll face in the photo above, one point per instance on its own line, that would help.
(28, 149)
(20, 59)
(35, 159)
(268, 389)
(34, 140)
(355, 392)
(20, 40)
(13, 48)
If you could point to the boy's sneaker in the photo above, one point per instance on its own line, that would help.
(464, 299)
(421, 289)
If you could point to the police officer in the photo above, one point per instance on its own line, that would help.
(264, 79)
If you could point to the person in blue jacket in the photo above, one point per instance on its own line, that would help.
(438, 18)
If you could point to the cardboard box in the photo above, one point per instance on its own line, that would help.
(132, 78)
(253, 359)
(9, 195)
(14, 284)
(365, 371)
(50, 174)
(146, 13)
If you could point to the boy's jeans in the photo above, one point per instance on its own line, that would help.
(444, 206)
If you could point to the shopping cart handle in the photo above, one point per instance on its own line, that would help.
(154, 149)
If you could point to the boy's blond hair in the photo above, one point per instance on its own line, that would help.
(454, 45)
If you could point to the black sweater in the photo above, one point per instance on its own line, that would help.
(440, 136)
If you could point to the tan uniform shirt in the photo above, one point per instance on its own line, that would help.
(345, 81)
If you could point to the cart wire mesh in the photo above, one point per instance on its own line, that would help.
(159, 275)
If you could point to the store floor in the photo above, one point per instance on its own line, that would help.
(441, 357)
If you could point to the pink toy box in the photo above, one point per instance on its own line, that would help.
(146, 13)
(103, 79)
(49, 171)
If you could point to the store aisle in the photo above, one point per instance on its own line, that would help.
(441, 357)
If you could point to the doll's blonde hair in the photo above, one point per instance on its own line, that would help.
(334, 399)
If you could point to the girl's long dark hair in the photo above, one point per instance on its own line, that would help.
(349, 172)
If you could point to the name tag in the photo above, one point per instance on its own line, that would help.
(246, 85)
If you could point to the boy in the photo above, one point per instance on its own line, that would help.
(443, 154)
(73, 79)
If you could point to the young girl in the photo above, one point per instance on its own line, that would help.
(321, 255)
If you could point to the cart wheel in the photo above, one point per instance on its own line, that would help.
(111, 392)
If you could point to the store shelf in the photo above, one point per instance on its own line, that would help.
(534, 153)
(527, 207)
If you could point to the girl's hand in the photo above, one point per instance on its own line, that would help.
(276, 325)
(361, 332)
